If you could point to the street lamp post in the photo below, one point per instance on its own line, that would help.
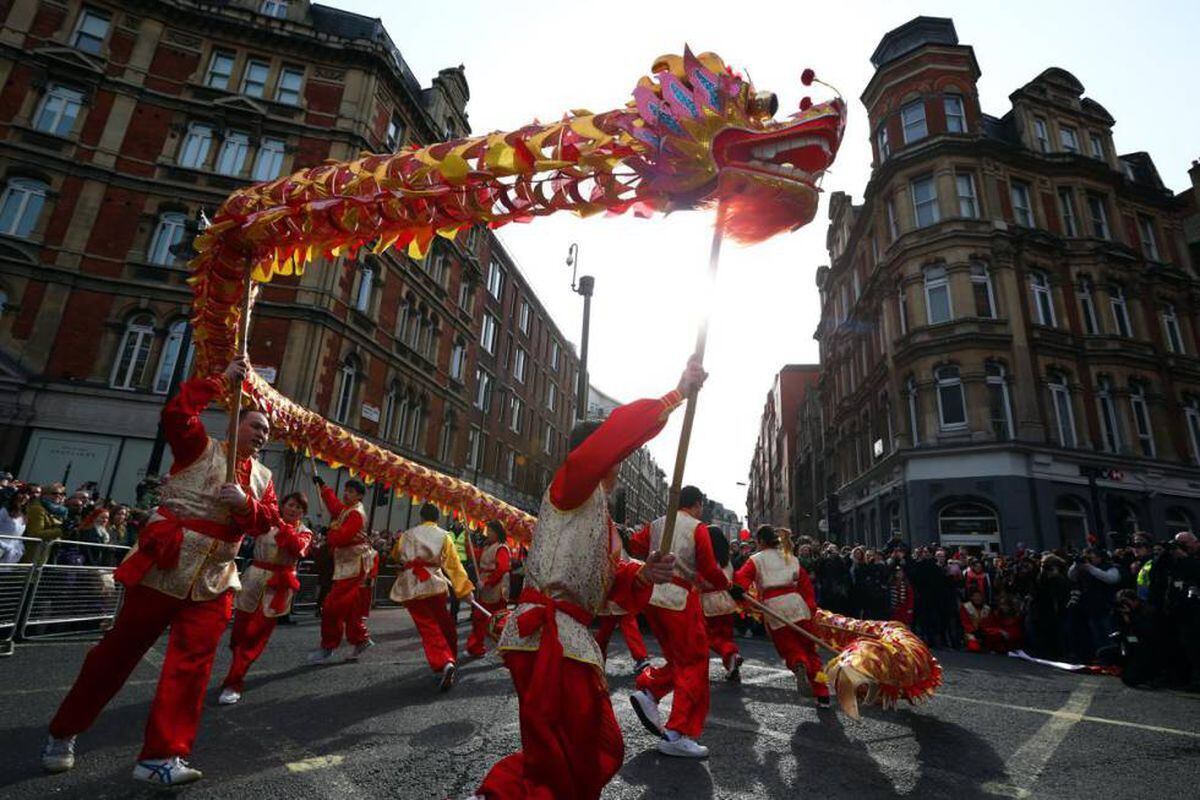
(585, 286)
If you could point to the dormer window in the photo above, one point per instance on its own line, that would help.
(1097, 146)
(913, 118)
(1068, 138)
(276, 8)
(956, 120)
(881, 141)
(1040, 135)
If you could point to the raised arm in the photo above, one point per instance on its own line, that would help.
(332, 504)
(181, 423)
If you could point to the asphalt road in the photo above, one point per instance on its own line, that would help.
(999, 728)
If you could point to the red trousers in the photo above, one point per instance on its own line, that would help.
(345, 611)
(798, 650)
(572, 758)
(196, 629)
(681, 636)
(720, 635)
(477, 641)
(249, 639)
(439, 636)
(629, 629)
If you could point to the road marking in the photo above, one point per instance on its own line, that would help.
(153, 657)
(1081, 717)
(1025, 766)
(314, 763)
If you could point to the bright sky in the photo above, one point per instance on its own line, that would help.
(536, 60)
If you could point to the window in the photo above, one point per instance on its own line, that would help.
(196, 144)
(268, 163)
(510, 466)
(519, 365)
(436, 263)
(1040, 136)
(395, 133)
(466, 296)
(220, 70)
(893, 228)
(21, 206)
(1141, 418)
(487, 333)
(554, 351)
(483, 390)
(1099, 215)
(524, 317)
(1022, 207)
(408, 325)
(366, 285)
(937, 296)
(1064, 416)
(1170, 322)
(1097, 146)
(1109, 429)
(1120, 311)
(1043, 299)
(90, 31)
(254, 81)
(446, 440)
(1066, 205)
(167, 233)
(999, 408)
(1087, 307)
(133, 353)
(956, 120)
(968, 205)
(1191, 412)
(458, 360)
(952, 408)
(1178, 520)
(1149, 239)
(345, 397)
(548, 439)
(58, 111)
(495, 279)
(514, 413)
(275, 8)
(551, 396)
(1073, 523)
(413, 435)
(290, 81)
(387, 427)
(981, 284)
(1127, 168)
(474, 448)
(1068, 139)
(912, 116)
(914, 416)
(231, 159)
(925, 201)
(170, 356)
(881, 141)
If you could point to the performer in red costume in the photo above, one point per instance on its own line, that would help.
(429, 568)
(785, 588)
(613, 615)
(268, 586)
(675, 617)
(354, 567)
(571, 743)
(492, 564)
(719, 611)
(180, 575)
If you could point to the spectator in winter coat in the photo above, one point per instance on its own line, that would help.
(1096, 579)
(929, 584)
(833, 581)
(1048, 608)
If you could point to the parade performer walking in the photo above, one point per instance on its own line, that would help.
(571, 743)
(785, 588)
(613, 615)
(492, 564)
(354, 566)
(180, 575)
(268, 586)
(429, 569)
(677, 621)
(719, 611)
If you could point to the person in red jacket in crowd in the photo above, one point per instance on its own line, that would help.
(181, 576)
(492, 565)
(571, 743)
(355, 563)
(786, 589)
(720, 609)
(975, 615)
(268, 586)
(677, 621)
(1005, 630)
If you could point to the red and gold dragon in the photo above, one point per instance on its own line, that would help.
(695, 134)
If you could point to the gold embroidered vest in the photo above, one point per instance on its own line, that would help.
(773, 571)
(255, 592)
(487, 567)
(683, 545)
(422, 543)
(355, 559)
(718, 604)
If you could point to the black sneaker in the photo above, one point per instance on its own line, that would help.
(449, 674)
(824, 702)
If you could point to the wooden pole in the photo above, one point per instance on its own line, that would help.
(320, 504)
(689, 414)
(791, 625)
(235, 397)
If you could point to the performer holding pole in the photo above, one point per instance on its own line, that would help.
(719, 609)
(491, 566)
(613, 616)
(354, 566)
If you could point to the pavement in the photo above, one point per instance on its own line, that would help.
(378, 728)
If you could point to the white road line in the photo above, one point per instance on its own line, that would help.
(153, 657)
(314, 763)
(1081, 717)
(1025, 766)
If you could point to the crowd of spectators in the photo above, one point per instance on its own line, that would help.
(47, 513)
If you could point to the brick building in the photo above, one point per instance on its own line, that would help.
(120, 122)
(770, 497)
(1010, 326)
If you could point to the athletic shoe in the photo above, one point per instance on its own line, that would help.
(229, 696)
(646, 708)
(59, 754)
(166, 772)
(449, 675)
(733, 667)
(317, 657)
(359, 649)
(641, 666)
(682, 747)
(824, 702)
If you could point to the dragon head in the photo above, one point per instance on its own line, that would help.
(708, 136)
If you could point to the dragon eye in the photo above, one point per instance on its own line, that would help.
(764, 105)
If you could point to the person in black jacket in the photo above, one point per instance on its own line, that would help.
(833, 581)
(1048, 608)
(929, 586)
(1137, 641)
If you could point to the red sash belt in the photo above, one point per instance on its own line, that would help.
(420, 568)
(778, 591)
(282, 581)
(680, 582)
(159, 543)
(547, 669)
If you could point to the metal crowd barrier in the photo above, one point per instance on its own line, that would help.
(72, 591)
(14, 583)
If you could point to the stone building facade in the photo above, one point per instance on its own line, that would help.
(770, 494)
(1010, 327)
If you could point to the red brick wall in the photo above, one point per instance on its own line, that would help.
(60, 220)
(170, 68)
(76, 348)
(114, 231)
(46, 23)
(144, 139)
(12, 96)
(324, 100)
(97, 118)
(31, 305)
(311, 153)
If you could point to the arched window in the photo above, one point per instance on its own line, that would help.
(1073, 524)
(390, 403)
(366, 286)
(133, 353)
(167, 233)
(21, 206)
(446, 437)
(938, 307)
(458, 359)
(1064, 415)
(999, 407)
(981, 284)
(170, 356)
(1043, 300)
(952, 408)
(1120, 311)
(346, 387)
(1178, 520)
(1126, 518)
(1107, 408)
(968, 522)
(956, 116)
(1087, 306)
(414, 427)
(914, 411)
(1142, 425)
(1191, 415)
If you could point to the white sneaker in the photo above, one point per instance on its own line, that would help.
(229, 696)
(682, 747)
(359, 649)
(320, 657)
(733, 667)
(59, 754)
(449, 673)
(646, 708)
(166, 772)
